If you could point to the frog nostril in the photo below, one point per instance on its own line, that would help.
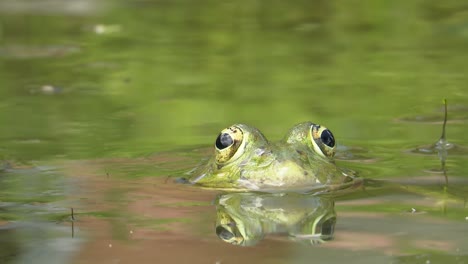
(223, 141)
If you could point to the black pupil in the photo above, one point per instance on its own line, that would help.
(328, 226)
(223, 233)
(224, 141)
(327, 138)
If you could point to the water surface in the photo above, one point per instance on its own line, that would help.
(102, 104)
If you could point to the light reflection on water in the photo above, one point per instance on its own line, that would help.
(246, 218)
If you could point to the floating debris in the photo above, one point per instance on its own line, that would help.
(50, 89)
(72, 215)
(47, 89)
(441, 147)
(102, 29)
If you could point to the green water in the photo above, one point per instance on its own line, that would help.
(101, 101)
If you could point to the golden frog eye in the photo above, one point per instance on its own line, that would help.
(228, 143)
(323, 140)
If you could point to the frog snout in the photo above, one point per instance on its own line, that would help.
(290, 170)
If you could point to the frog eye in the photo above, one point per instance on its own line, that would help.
(228, 143)
(228, 236)
(323, 140)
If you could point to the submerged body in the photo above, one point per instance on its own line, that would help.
(245, 160)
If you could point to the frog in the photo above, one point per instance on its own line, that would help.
(244, 160)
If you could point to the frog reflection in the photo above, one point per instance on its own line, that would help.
(245, 218)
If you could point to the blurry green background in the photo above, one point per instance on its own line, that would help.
(136, 77)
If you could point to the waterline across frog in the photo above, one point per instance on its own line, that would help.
(245, 160)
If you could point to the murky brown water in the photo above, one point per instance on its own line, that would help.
(155, 220)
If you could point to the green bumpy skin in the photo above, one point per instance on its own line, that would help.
(245, 160)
